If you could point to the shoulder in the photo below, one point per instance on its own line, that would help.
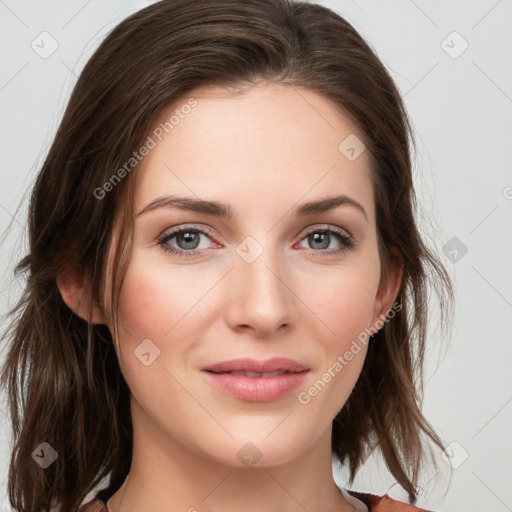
(384, 503)
(95, 505)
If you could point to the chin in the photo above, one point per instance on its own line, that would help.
(257, 450)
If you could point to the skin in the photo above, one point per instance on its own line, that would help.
(264, 152)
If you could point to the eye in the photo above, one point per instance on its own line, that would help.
(184, 242)
(187, 239)
(320, 239)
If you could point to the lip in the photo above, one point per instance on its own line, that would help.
(256, 389)
(257, 366)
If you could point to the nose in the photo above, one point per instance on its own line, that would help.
(260, 299)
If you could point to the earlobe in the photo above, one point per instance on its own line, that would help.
(75, 291)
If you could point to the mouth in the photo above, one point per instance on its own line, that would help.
(256, 374)
(256, 381)
(257, 367)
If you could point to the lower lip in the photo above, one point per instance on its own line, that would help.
(256, 389)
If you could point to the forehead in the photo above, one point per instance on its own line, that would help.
(272, 141)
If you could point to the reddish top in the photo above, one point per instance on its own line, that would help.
(373, 502)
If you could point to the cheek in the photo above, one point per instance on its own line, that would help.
(148, 308)
(344, 302)
(143, 305)
(153, 300)
(350, 306)
(153, 306)
(347, 315)
(161, 303)
(344, 299)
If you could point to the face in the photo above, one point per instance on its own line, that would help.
(271, 280)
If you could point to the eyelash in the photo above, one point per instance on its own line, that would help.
(346, 241)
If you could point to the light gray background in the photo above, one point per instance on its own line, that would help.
(461, 106)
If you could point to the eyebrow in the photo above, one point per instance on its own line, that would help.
(224, 210)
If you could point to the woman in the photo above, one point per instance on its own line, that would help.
(225, 284)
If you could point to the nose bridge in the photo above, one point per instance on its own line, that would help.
(262, 299)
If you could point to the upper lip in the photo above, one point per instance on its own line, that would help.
(256, 366)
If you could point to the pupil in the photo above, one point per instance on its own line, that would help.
(189, 240)
(318, 237)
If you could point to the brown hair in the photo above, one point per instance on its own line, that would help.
(62, 375)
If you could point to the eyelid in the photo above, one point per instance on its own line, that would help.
(323, 226)
(184, 227)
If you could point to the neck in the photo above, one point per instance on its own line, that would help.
(165, 474)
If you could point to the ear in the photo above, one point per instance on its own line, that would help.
(74, 288)
(389, 286)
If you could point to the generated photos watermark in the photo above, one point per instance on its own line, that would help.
(304, 397)
(151, 142)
